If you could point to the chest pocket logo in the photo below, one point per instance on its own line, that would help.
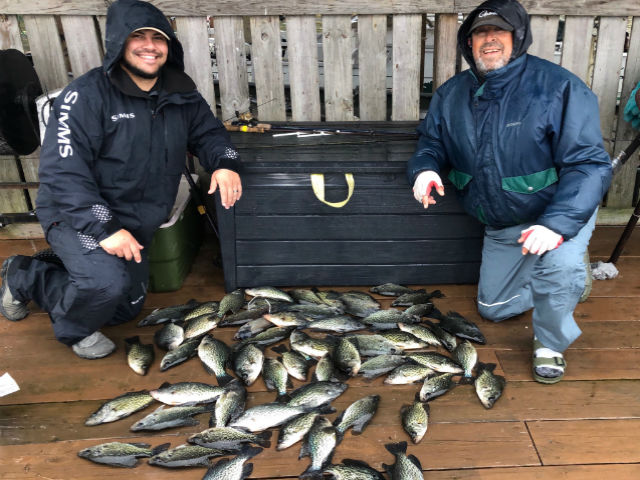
(118, 116)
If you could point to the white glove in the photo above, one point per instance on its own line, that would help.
(425, 181)
(538, 240)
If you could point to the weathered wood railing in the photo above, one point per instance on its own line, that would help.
(389, 36)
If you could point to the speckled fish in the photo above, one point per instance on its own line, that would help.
(331, 299)
(403, 340)
(447, 340)
(407, 373)
(180, 354)
(311, 346)
(168, 314)
(316, 312)
(234, 468)
(352, 470)
(423, 333)
(275, 376)
(387, 319)
(258, 303)
(269, 336)
(118, 454)
(316, 394)
(294, 430)
(319, 446)
(415, 420)
(346, 357)
(305, 296)
(230, 404)
(270, 293)
(337, 324)
(435, 386)
(120, 407)
(268, 415)
(391, 290)
(459, 326)
(415, 298)
(169, 337)
(186, 456)
(359, 304)
(229, 439)
(488, 386)
(420, 310)
(325, 370)
(243, 316)
(436, 361)
(296, 364)
(198, 326)
(139, 356)
(357, 415)
(252, 328)
(373, 345)
(164, 417)
(376, 366)
(467, 356)
(206, 308)
(405, 467)
(287, 319)
(247, 363)
(186, 393)
(214, 355)
(231, 302)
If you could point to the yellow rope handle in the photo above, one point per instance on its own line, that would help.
(317, 183)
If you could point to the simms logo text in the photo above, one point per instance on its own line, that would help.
(64, 143)
(118, 116)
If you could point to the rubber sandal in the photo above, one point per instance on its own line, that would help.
(556, 362)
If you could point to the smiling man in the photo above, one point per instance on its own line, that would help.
(110, 166)
(520, 139)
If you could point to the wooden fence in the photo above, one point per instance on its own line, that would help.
(300, 57)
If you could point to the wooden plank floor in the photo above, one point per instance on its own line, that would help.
(586, 427)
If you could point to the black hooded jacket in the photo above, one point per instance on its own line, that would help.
(112, 155)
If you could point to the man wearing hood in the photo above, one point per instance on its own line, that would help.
(110, 166)
(520, 138)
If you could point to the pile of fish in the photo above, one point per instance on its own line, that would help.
(361, 339)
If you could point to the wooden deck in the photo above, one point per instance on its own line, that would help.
(586, 427)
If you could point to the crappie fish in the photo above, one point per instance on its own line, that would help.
(415, 298)
(376, 366)
(325, 370)
(459, 326)
(435, 386)
(415, 420)
(139, 356)
(316, 312)
(315, 394)
(403, 340)
(423, 333)
(373, 345)
(405, 467)
(231, 302)
(229, 439)
(420, 310)
(332, 299)
(186, 456)
(296, 364)
(244, 316)
(169, 337)
(352, 470)
(310, 346)
(488, 386)
(357, 415)
(199, 326)
(436, 361)
(271, 293)
(247, 363)
(163, 418)
(467, 356)
(319, 446)
(235, 468)
(252, 328)
(391, 290)
(118, 454)
(186, 393)
(336, 324)
(268, 337)
(275, 376)
(447, 340)
(359, 304)
(387, 319)
(230, 404)
(214, 355)
(180, 354)
(206, 308)
(294, 430)
(268, 415)
(346, 357)
(305, 296)
(168, 314)
(120, 407)
(407, 373)
(287, 319)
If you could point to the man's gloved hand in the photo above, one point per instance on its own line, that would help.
(538, 240)
(425, 181)
(632, 110)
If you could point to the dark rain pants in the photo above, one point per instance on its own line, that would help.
(95, 289)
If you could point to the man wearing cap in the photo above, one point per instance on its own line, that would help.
(520, 139)
(110, 166)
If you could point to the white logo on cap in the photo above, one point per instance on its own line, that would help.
(486, 13)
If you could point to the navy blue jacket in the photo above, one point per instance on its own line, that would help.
(522, 144)
(112, 155)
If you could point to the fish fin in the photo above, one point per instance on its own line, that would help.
(437, 294)
(132, 340)
(466, 380)
(282, 348)
(212, 419)
(350, 462)
(304, 449)
(332, 339)
(160, 448)
(225, 379)
(283, 397)
(139, 445)
(247, 469)
(264, 439)
(435, 313)
(397, 448)
(413, 459)
(309, 474)
(485, 366)
(388, 469)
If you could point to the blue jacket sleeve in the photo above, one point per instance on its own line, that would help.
(70, 148)
(430, 153)
(210, 141)
(584, 167)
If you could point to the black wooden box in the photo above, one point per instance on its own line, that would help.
(281, 234)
